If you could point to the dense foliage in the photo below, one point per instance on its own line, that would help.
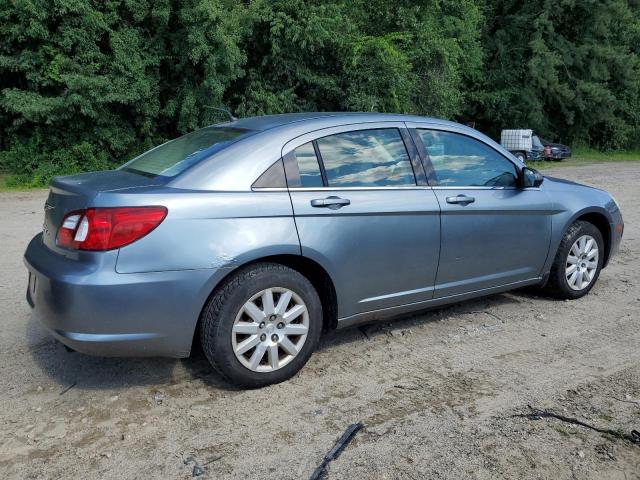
(87, 84)
(567, 68)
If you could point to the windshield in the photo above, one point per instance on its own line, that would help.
(175, 156)
(536, 141)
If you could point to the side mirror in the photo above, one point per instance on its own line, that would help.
(530, 178)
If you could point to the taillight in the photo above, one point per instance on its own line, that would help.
(108, 228)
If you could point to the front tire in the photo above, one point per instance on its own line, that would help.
(262, 325)
(578, 262)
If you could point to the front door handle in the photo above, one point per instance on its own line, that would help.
(332, 202)
(461, 199)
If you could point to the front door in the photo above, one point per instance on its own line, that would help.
(493, 232)
(361, 214)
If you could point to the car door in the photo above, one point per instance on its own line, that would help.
(364, 212)
(493, 233)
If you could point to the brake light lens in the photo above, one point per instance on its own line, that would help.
(101, 229)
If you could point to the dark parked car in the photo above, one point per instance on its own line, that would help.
(254, 236)
(528, 146)
(558, 150)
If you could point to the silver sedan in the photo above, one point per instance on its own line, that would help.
(255, 236)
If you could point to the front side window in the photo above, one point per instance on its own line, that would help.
(461, 161)
(174, 157)
(366, 158)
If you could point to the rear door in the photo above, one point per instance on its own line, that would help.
(493, 232)
(363, 210)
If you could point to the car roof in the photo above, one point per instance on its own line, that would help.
(267, 122)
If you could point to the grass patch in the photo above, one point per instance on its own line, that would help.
(587, 156)
(8, 183)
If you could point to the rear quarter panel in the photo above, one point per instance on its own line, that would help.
(209, 230)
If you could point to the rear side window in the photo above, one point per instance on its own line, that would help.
(362, 158)
(305, 156)
(172, 158)
(366, 158)
(461, 161)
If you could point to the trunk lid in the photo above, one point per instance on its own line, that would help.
(77, 192)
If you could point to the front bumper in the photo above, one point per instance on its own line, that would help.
(617, 231)
(560, 154)
(92, 309)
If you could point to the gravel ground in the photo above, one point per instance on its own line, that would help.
(437, 392)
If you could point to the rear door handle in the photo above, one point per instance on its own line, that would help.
(461, 199)
(332, 202)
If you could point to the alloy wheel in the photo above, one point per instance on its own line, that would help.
(582, 263)
(270, 329)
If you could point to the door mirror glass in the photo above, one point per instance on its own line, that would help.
(531, 178)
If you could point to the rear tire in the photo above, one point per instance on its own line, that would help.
(262, 325)
(520, 156)
(578, 262)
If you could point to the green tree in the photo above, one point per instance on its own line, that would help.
(86, 84)
(362, 56)
(566, 68)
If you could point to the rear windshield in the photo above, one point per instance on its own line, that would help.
(174, 157)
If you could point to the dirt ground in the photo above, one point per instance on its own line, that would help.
(437, 392)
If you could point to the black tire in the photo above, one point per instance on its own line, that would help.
(220, 312)
(558, 285)
(521, 156)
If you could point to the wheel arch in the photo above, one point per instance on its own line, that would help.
(600, 219)
(601, 222)
(312, 270)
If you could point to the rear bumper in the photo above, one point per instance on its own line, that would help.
(92, 309)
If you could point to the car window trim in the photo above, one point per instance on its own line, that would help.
(428, 165)
(417, 187)
(430, 172)
(414, 157)
(335, 189)
(474, 187)
(323, 172)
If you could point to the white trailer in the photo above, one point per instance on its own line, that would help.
(518, 142)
